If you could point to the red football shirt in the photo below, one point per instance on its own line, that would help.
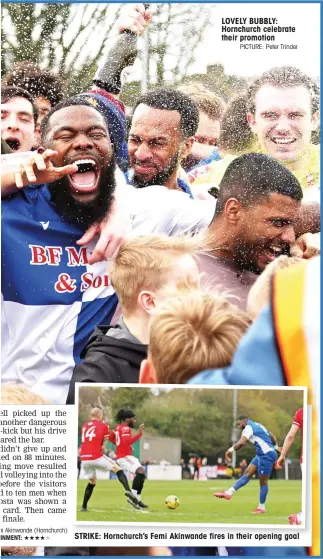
(298, 420)
(93, 434)
(121, 437)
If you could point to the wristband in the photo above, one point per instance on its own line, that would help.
(231, 449)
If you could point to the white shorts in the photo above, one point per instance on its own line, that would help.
(129, 464)
(104, 464)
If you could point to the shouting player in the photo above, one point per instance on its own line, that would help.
(263, 462)
(95, 434)
(290, 437)
(121, 437)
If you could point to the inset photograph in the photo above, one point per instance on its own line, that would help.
(188, 455)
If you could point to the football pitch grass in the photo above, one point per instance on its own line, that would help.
(197, 503)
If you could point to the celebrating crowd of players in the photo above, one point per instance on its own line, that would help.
(76, 194)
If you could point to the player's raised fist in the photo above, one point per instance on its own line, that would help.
(141, 428)
(135, 19)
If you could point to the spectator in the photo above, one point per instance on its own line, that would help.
(12, 393)
(145, 271)
(282, 112)
(211, 109)
(236, 136)
(44, 86)
(235, 139)
(198, 464)
(19, 116)
(243, 466)
(196, 328)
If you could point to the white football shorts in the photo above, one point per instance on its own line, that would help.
(103, 464)
(129, 464)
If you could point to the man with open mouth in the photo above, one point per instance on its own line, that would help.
(53, 295)
(18, 118)
(45, 86)
(259, 203)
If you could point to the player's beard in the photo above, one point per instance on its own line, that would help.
(161, 177)
(86, 213)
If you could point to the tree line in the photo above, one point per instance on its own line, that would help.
(201, 418)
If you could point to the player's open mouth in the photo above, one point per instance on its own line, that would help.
(13, 143)
(272, 252)
(87, 177)
(283, 141)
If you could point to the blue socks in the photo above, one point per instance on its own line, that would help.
(243, 480)
(263, 494)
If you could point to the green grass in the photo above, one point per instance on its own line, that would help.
(197, 503)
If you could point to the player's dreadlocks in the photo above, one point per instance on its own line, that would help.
(123, 414)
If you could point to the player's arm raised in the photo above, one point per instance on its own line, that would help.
(290, 437)
(136, 437)
(35, 169)
(123, 51)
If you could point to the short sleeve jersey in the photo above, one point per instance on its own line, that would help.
(93, 434)
(298, 420)
(258, 435)
(121, 437)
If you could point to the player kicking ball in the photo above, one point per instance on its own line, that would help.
(95, 434)
(264, 460)
(121, 438)
(297, 425)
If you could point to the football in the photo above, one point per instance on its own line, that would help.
(172, 502)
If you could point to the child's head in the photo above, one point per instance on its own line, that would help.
(12, 393)
(259, 294)
(191, 333)
(148, 267)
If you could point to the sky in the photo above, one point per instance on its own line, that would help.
(305, 17)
